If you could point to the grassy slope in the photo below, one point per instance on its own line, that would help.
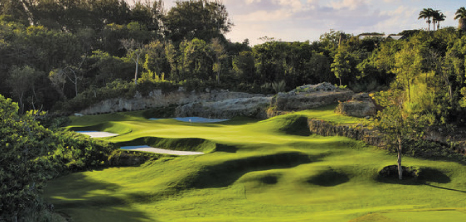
(273, 176)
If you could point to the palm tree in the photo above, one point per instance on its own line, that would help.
(427, 13)
(461, 16)
(438, 17)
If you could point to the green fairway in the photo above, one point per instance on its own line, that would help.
(270, 170)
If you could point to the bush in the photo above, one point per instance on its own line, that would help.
(364, 86)
(32, 154)
(115, 89)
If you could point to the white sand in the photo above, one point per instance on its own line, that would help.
(97, 134)
(160, 151)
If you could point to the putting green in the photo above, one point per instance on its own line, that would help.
(253, 170)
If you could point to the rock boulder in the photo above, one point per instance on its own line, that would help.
(361, 105)
(226, 109)
(309, 97)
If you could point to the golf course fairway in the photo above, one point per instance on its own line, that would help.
(270, 170)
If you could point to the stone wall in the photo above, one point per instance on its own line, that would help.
(357, 132)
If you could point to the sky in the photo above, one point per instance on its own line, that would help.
(301, 20)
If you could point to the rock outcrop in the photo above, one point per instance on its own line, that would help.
(251, 107)
(157, 99)
(357, 132)
(361, 105)
(309, 97)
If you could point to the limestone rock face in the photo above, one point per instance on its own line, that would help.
(321, 87)
(157, 99)
(361, 105)
(226, 109)
(309, 97)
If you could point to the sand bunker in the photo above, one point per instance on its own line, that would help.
(97, 134)
(195, 119)
(159, 151)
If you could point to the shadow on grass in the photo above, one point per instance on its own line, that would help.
(235, 121)
(296, 125)
(226, 173)
(76, 195)
(225, 148)
(329, 178)
(445, 188)
(413, 176)
(269, 179)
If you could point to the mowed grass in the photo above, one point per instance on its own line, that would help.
(270, 170)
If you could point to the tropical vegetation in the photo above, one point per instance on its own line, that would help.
(59, 57)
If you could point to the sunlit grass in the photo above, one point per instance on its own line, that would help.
(274, 174)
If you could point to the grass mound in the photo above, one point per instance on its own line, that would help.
(295, 125)
(257, 171)
(328, 178)
(185, 144)
(104, 127)
(226, 173)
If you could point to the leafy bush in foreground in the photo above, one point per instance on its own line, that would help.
(32, 154)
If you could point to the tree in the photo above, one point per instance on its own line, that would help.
(427, 13)
(21, 82)
(219, 54)
(461, 16)
(172, 55)
(341, 64)
(70, 72)
(202, 19)
(15, 10)
(135, 50)
(438, 17)
(408, 63)
(194, 60)
(319, 68)
(110, 11)
(155, 60)
(243, 66)
(332, 40)
(396, 125)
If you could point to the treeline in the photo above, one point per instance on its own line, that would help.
(52, 51)
(67, 54)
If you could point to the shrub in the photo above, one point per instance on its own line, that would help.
(279, 86)
(32, 154)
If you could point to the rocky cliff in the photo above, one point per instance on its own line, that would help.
(157, 99)
(252, 107)
(309, 97)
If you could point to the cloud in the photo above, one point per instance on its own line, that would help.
(265, 16)
(348, 4)
(292, 4)
(301, 20)
(248, 2)
(292, 20)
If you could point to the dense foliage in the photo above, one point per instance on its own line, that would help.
(70, 54)
(32, 154)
